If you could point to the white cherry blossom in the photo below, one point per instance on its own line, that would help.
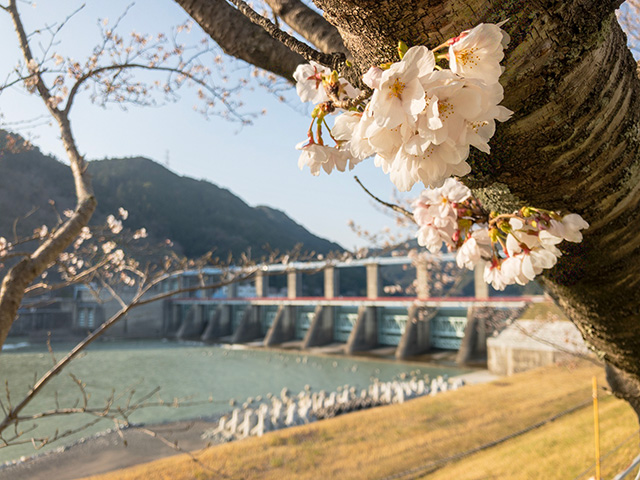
(373, 77)
(475, 248)
(431, 237)
(569, 227)
(114, 225)
(400, 96)
(310, 84)
(343, 132)
(452, 191)
(317, 156)
(308, 77)
(493, 275)
(435, 214)
(477, 53)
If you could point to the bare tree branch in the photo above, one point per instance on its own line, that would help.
(392, 206)
(309, 24)
(14, 412)
(335, 61)
(22, 274)
(240, 38)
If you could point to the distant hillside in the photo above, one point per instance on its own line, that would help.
(195, 214)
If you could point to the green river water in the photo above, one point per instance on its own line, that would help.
(196, 371)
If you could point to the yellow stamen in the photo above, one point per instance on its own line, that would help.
(467, 57)
(396, 89)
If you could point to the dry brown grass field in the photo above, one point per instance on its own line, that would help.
(378, 443)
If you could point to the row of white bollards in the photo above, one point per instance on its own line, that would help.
(256, 417)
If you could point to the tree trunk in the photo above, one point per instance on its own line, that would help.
(572, 144)
(20, 276)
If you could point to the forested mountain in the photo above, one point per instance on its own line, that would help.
(196, 215)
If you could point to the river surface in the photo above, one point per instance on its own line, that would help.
(210, 376)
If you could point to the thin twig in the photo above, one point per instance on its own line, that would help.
(50, 348)
(392, 206)
(174, 446)
(136, 302)
(354, 102)
(335, 61)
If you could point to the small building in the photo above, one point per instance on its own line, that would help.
(528, 344)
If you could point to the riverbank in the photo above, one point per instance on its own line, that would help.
(205, 379)
(106, 452)
(109, 451)
(548, 410)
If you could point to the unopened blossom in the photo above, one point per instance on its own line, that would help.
(123, 213)
(41, 232)
(477, 53)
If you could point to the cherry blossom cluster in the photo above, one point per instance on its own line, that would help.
(516, 247)
(85, 258)
(421, 119)
(107, 75)
(101, 254)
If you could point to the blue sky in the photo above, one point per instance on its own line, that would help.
(257, 162)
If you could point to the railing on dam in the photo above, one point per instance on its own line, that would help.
(411, 325)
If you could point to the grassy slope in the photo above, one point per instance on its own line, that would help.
(383, 441)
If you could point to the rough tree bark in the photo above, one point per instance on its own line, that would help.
(238, 37)
(309, 24)
(572, 144)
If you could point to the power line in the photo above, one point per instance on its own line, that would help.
(609, 453)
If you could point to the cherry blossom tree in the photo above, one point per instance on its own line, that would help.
(571, 145)
(71, 251)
